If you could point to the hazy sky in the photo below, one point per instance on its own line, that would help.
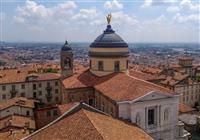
(81, 20)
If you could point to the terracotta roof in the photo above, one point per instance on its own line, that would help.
(40, 114)
(17, 121)
(16, 135)
(65, 107)
(144, 76)
(18, 101)
(86, 123)
(183, 108)
(117, 86)
(18, 76)
(175, 79)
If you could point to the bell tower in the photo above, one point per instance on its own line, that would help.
(66, 60)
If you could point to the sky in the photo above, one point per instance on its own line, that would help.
(140, 21)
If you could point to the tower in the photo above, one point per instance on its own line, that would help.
(108, 53)
(66, 60)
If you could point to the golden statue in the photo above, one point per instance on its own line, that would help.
(109, 17)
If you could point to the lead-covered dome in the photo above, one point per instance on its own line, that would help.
(66, 47)
(109, 39)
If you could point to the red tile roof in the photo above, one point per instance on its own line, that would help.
(144, 76)
(183, 108)
(18, 76)
(18, 101)
(117, 86)
(86, 123)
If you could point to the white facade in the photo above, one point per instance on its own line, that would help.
(25, 89)
(16, 110)
(156, 113)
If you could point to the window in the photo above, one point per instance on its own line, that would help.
(40, 85)
(48, 113)
(56, 83)
(48, 84)
(34, 94)
(91, 102)
(22, 94)
(151, 116)
(166, 115)
(34, 86)
(13, 87)
(137, 119)
(22, 86)
(4, 96)
(117, 66)
(40, 93)
(56, 90)
(55, 112)
(126, 64)
(100, 65)
(27, 113)
(90, 64)
(3, 88)
(56, 99)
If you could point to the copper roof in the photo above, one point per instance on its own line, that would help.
(86, 123)
(117, 86)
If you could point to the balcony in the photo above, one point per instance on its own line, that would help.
(48, 88)
(13, 93)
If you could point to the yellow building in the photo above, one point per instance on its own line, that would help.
(108, 54)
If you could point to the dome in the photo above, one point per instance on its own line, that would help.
(66, 47)
(109, 39)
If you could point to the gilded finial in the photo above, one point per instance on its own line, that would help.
(109, 17)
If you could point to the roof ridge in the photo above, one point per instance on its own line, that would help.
(147, 82)
(92, 124)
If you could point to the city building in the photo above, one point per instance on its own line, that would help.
(107, 86)
(84, 122)
(44, 87)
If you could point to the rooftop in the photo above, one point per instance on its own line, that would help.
(117, 86)
(84, 122)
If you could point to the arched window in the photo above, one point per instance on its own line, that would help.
(137, 119)
(166, 114)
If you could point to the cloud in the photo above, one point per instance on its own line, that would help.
(122, 18)
(188, 4)
(148, 3)
(33, 13)
(113, 5)
(189, 18)
(173, 9)
(90, 13)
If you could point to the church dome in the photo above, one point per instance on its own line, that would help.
(109, 39)
(66, 47)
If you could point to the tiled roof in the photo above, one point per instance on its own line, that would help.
(183, 108)
(117, 86)
(18, 101)
(17, 121)
(40, 114)
(175, 79)
(144, 76)
(18, 76)
(86, 123)
(16, 134)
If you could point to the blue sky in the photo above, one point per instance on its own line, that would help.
(84, 20)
